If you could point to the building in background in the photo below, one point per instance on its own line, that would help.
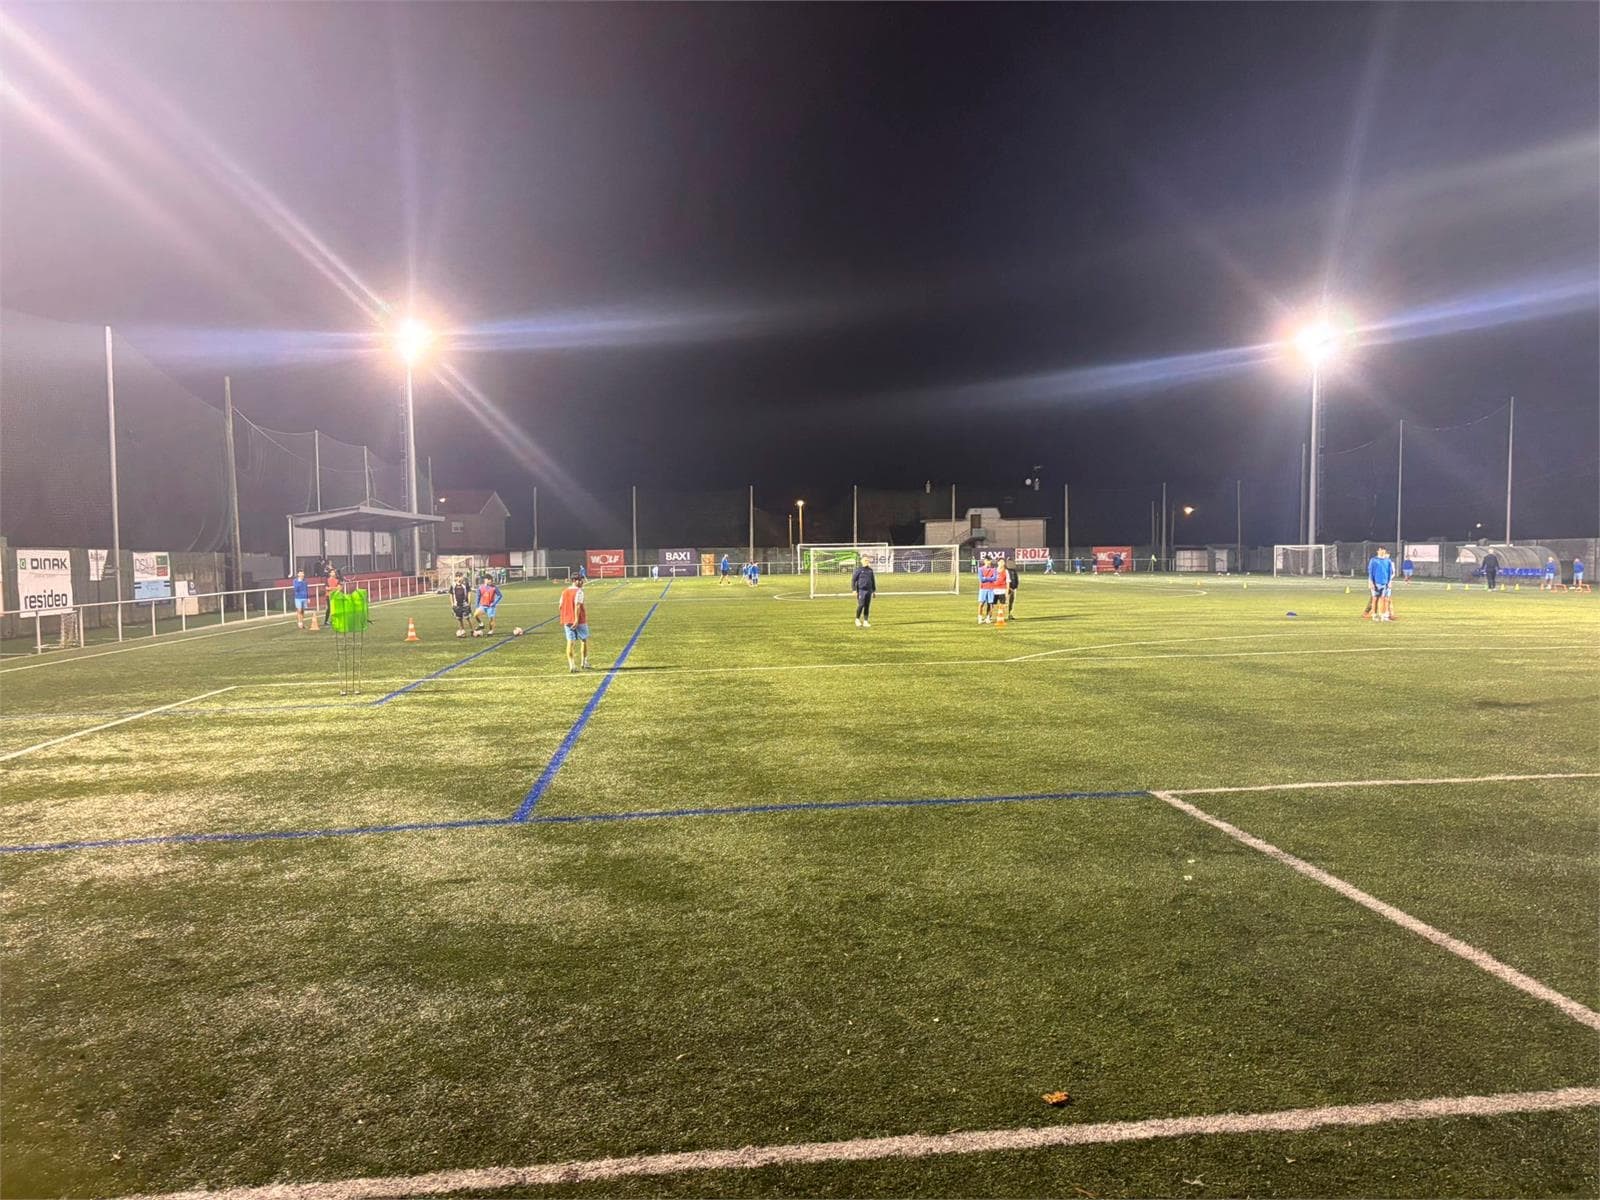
(983, 527)
(474, 522)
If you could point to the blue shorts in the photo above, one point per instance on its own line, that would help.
(300, 603)
(577, 633)
(985, 596)
(1380, 589)
(488, 610)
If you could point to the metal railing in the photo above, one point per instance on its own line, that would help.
(202, 610)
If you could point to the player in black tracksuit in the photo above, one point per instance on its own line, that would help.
(1011, 589)
(461, 602)
(864, 583)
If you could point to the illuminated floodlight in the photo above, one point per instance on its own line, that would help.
(412, 338)
(1321, 340)
(1188, 510)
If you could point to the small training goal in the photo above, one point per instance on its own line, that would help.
(1311, 560)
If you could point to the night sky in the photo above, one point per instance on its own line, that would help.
(806, 246)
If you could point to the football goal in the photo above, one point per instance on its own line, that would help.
(900, 570)
(1318, 560)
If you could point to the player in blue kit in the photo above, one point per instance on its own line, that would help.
(302, 598)
(1380, 575)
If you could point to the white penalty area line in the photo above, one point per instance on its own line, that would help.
(1581, 1013)
(1360, 783)
(909, 1146)
(149, 712)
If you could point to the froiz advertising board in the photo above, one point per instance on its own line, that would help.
(1032, 554)
(44, 582)
(679, 562)
(605, 564)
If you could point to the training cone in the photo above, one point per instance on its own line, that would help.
(1516, 587)
(411, 630)
(1347, 591)
(314, 625)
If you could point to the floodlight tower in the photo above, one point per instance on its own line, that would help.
(801, 505)
(412, 340)
(1318, 343)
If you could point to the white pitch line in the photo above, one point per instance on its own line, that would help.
(149, 712)
(468, 1181)
(1581, 1013)
(1354, 783)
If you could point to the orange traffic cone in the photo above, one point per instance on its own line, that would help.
(1000, 611)
(314, 625)
(411, 630)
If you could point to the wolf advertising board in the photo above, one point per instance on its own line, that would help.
(1106, 559)
(605, 564)
(678, 562)
(44, 582)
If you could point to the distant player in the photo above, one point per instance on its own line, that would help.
(1116, 563)
(727, 576)
(1002, 581)
(752, 574)
(1380, 574)
(864, 583)
(489, 596)
(575, 624)
(1049, 566)
(1552, 574)
(302, 598)
(987, 578)
(1406, 568)
(334, 581)
(1011, 589)
(1578, 585)
(460, 596)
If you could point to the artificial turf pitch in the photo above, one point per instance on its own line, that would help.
(726, 917)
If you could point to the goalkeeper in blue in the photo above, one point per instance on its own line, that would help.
(1380, 575)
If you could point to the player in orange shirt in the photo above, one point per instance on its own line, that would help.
(575, 623)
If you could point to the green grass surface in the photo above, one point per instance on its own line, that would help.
(506, 994)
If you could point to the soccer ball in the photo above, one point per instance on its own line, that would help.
(517, 632)
(477, 633)
(461, 633)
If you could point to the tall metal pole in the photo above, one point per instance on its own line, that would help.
(1066, 525)
(752, 522)
(433, 526)
(1301, 527)
(366, 477)
(289, 520)
(116, 516)
(1399, 491)
(1238, 528)
(316, 471)
(953, 509)
(855, 514)
(802, 522)
(1316, 446)
(536, 526)
(1511, 439)
(235, 550)
(411, 473)
(635, 490)
(1163, 526)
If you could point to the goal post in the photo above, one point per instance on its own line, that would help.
(900, 570)
(1315, 561)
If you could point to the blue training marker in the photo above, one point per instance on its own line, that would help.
(1290, 614)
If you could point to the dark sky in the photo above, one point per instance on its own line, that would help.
(807, 246)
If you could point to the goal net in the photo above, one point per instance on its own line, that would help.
(835, 556)
(900, 570)
(1304, 560)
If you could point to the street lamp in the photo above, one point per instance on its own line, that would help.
(1318, 343)
(801, 505)
(412, 338)
(1172, 539)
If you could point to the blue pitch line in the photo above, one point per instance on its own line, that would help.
(826, 806)
(279, 835)
(463, 662)
(665, 590)
(542, 784)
